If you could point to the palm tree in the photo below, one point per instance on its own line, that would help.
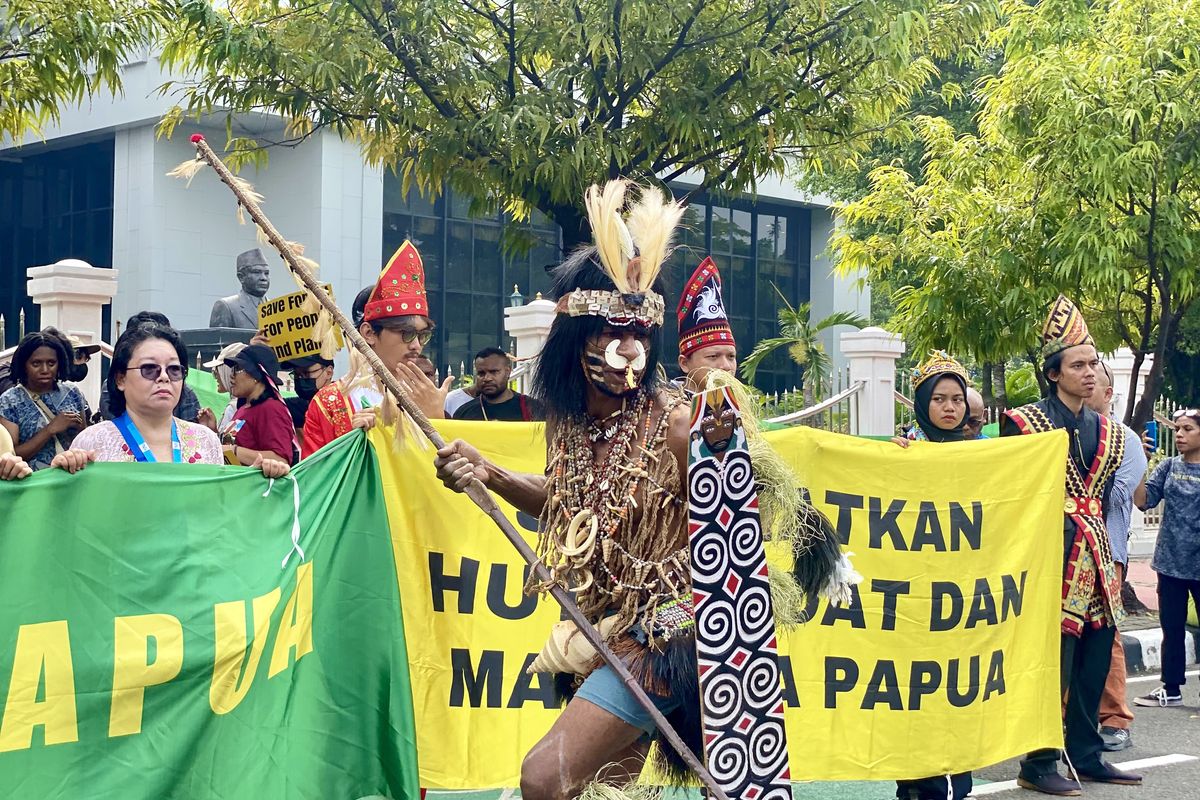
(803, 343)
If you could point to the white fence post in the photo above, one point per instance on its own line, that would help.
(872, 354)
(529, 325)
(1121, 364)
(72, 294)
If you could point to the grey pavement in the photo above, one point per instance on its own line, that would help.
(1157, 733)
(1166, 739)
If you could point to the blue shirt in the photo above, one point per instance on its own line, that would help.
(1118, 510)
(17, 407)
(1177, 552)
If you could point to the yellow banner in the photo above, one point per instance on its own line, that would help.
(946, 661)
(289, 327)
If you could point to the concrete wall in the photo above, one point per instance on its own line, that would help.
(829, 291)
(176, 245)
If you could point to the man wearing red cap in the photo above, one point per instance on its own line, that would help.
(705, 338)
(396, 324)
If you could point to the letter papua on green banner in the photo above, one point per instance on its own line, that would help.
(151, 645)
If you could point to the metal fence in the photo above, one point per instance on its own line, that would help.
(837, 412)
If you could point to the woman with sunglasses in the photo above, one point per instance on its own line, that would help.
(144, 384)
(262, 425)
(1176, 483)
(42, 413)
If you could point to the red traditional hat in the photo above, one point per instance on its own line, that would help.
(400, 290)
(702, 318)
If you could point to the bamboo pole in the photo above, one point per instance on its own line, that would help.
(478, 493)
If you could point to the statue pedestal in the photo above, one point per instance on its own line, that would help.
(203, 344)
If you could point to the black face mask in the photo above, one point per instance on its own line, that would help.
(306, 387)
(78, 372)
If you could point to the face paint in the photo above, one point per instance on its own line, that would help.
(617, 361)
(601, 359)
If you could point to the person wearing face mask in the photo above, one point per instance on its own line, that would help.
(395, 324)
(940, 403)
(310, 374)
(705, 338)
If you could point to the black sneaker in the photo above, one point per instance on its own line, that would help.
(1116, 738)
(1159, 698)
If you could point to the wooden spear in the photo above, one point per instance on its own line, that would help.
(478, 493)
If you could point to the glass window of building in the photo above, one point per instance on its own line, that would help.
(471, 274)
(54, 204)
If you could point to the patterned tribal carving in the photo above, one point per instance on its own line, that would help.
(741, 693)
(1065, 327)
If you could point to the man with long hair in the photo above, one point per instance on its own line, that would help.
(612, 502)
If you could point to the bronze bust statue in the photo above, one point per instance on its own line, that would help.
(241, 310)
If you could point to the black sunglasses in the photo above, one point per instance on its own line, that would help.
(974, 421)
(151, 372)
(421, 336)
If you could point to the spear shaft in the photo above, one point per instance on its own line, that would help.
(478, 493)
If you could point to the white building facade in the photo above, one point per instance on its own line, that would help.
(96, 189)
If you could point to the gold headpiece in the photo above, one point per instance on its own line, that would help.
(1065, 327)
(939, 362)
(632, 247)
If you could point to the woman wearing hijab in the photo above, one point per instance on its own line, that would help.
(940, 403)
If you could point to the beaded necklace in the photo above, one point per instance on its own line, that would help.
(589, 540)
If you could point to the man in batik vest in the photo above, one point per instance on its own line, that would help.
(705, 338)
(1091, 589)
(397, 326)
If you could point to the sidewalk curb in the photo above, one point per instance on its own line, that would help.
(1143, 649)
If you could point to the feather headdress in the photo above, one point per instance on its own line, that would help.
(631, 244)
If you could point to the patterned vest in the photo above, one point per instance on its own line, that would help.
(1091, 590)
(335, 407)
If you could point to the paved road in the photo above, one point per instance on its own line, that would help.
(1166, 741)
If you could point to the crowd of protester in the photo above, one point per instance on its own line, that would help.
(148, 413)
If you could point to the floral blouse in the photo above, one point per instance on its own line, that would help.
(200, 445)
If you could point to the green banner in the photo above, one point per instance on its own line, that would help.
(151, 645)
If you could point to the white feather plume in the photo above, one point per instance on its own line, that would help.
(651, 223)
(614, 245)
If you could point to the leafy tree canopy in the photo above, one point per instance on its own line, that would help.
(1084, 178)
(522, 103)
(55, 53)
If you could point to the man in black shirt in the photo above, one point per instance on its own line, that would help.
(310, 374)
(494, 399)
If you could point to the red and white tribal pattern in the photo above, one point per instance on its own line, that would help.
(740, 690)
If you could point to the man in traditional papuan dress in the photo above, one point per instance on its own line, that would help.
(612, 503)
(705, 338)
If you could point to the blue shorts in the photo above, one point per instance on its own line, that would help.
(605, 689)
